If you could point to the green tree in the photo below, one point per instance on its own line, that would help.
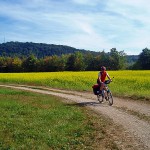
(50, 63)
(30, 64)
(16, 65)
(62, 62)
(70, 63)
(117, 59)
(8, 64)
(104, 60)
(79, 64)
(2, 64)
(75, 62)
(144, 59)
(89, 61)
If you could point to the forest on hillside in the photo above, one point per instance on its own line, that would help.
(15, 59)
(40, 50)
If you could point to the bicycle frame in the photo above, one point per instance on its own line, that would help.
(106, 93)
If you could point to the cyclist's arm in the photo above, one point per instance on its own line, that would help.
(99, 77)
(108, 76)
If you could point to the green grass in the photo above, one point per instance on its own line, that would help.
(35, 121)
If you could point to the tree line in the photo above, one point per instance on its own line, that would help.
(69, 62)
(114, 60)
(143, 63)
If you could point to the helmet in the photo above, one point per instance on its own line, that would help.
(103, 68)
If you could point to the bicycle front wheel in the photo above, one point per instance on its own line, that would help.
(110, 98)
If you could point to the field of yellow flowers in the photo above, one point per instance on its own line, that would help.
(135, 84)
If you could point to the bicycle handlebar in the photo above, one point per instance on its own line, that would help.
(108, 81)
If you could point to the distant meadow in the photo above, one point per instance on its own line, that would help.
(133, 84)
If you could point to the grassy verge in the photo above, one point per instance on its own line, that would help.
(35, 121)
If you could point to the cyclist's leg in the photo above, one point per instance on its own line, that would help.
(102, 86)
(105, 93)
(98, 82)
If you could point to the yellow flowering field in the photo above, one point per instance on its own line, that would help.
(135, 84)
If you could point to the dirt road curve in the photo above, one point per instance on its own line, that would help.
(121, 112)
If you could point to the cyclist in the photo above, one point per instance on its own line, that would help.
(101, 78)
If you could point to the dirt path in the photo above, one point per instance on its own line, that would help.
(138, 129)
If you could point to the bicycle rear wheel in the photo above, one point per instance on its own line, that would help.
(100, 98)
(110, 98)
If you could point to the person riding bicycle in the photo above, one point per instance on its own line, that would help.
(101, 78)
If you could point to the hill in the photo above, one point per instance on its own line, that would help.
(40, 50)
(131, 59)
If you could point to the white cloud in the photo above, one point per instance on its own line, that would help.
(86, 2)
(116, 23)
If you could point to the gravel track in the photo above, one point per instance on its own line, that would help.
(136, 128)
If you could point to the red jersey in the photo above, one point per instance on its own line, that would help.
(103, 75)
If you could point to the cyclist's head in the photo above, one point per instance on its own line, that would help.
(103, 68)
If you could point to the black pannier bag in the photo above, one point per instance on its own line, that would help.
(96, 89)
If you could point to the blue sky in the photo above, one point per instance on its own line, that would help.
(85, 24)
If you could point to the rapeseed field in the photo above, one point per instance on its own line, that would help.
(134, 84)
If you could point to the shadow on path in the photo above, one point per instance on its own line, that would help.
(83, 104)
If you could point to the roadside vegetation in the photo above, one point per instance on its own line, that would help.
(12, 60)
(35, 121)
(133, 84)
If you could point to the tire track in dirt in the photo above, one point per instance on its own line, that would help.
(138, 106)
(137, 128)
